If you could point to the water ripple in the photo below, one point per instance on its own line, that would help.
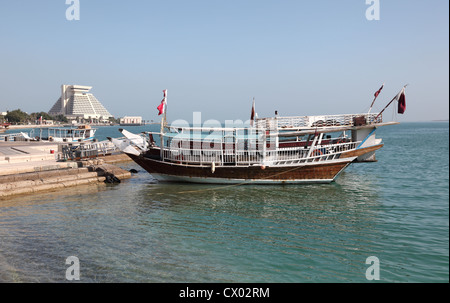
(143, 231)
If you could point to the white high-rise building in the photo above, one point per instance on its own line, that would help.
(76, 103)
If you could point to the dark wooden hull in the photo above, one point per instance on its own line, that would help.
(302, 173)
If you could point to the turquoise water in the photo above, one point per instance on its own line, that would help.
(144, 231)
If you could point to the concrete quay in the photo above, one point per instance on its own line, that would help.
(22, 152)
(31, 167)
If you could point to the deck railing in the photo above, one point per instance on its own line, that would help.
(260, 145)
(282, 156)
(318, 121)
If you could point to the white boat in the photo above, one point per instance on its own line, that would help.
(82, 133)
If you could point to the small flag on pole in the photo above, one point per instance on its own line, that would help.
(252, 116)
(162, 107)
(401, 101)
(378, 91)
(376, 95)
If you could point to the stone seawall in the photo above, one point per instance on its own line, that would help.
(27, 168)
(86, 172)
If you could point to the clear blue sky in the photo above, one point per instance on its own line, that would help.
(297, 57)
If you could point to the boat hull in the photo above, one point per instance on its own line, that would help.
(303, 173)
(365, 154)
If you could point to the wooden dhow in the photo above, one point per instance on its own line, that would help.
(275, 150)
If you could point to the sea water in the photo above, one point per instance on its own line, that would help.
(396, 210)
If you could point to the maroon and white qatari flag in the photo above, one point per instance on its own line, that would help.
(401, 102)
(378, 91)
(162, 107)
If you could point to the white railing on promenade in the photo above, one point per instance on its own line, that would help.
(12, 137)
(88, 150)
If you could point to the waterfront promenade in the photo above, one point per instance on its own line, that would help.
(27, 126)
(30, 167)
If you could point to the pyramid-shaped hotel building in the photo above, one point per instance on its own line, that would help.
(76, 103)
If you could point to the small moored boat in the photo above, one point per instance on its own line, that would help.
(82, 133)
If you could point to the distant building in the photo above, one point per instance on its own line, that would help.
(76, 103)
(44, 122)
(131, 120)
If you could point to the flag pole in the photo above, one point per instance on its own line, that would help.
(385, 108)
(165, 107)
(376, 96)
(163, 121)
